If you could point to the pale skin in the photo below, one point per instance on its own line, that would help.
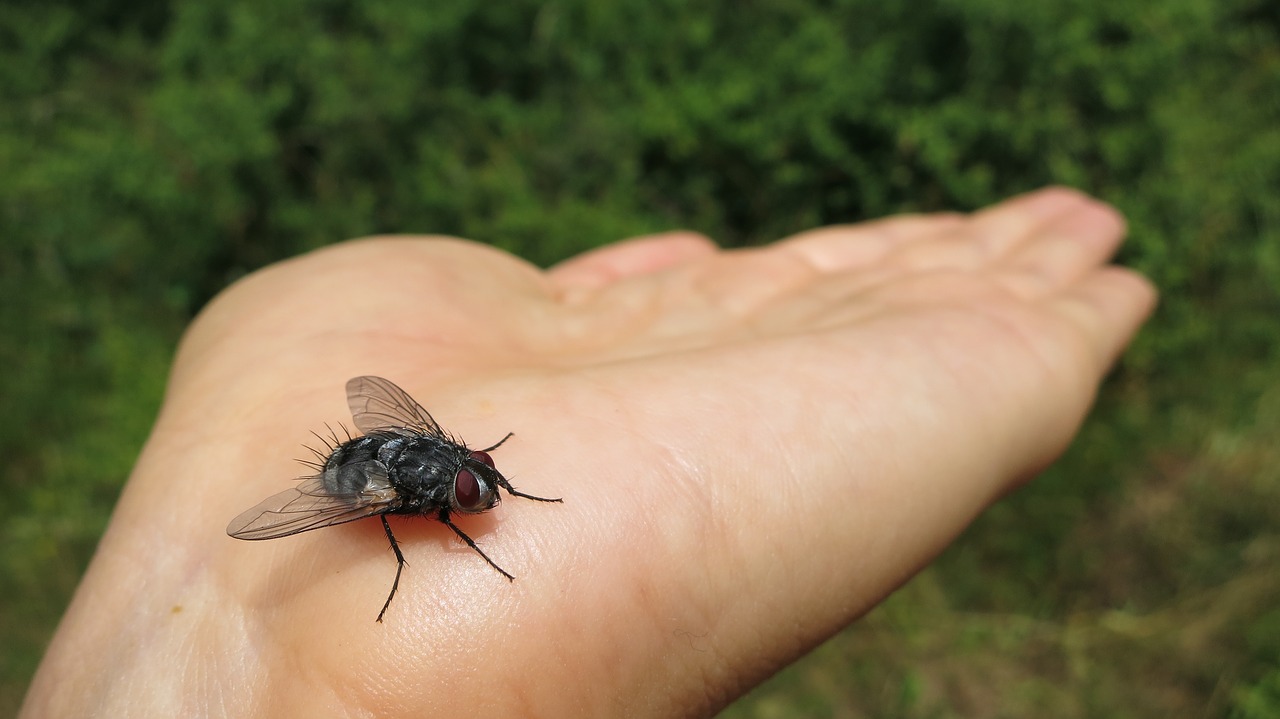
(754, 448)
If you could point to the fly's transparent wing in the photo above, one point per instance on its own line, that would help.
(377, 405)
(311, 506)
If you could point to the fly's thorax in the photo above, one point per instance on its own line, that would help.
(423, 467)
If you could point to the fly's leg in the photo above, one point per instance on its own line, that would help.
(444, 517)
(499, 444)
(502, 482)
(395, 547)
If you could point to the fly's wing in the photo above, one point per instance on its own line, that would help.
(377, 405)
(311, 506)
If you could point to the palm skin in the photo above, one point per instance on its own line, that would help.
(754, 448)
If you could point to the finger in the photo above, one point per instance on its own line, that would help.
(978, 240)
(640, 255)
(743, 280)
(1108, 306)
(937, 241)
(841, 248)
(1063, 249)
(1004, 227)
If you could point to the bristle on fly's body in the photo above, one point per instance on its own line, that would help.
(330, 443)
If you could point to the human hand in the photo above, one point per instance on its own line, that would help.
(754, 448)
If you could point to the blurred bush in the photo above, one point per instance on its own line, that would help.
(152, 152)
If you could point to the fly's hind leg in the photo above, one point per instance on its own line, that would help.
(395, 547)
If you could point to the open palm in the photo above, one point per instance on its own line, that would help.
(754, 447)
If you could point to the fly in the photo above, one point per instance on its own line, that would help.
(404, 464)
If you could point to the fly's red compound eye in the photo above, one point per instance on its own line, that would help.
(482, 457)
(467, 491)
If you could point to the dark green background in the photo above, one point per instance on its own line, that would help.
(152, 152)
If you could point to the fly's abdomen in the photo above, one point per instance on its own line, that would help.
(346, 472)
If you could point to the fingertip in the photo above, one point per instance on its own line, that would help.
(1110, 305)
(1131, 286)
(1048, 200)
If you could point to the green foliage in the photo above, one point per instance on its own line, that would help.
(150, 153)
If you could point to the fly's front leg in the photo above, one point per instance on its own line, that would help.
(444, 517)
(502, 482)
(499, 444)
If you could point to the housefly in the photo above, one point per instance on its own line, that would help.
(403, 464)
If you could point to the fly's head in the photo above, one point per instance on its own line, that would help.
(475, 486)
